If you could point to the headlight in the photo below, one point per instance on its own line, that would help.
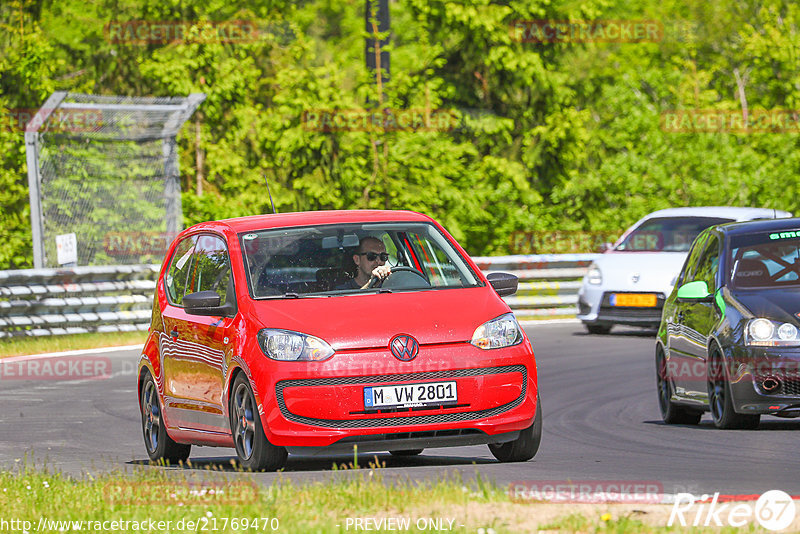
(503, 331)
(765, 333)
(594, 276)
(288, 346)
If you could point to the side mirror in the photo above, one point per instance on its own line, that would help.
(605, 247)
(206, 303)
(697, 291)
(504, 283)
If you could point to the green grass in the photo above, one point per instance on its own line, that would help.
(37, 345)
(213, 500)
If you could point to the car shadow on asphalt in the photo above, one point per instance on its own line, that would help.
(766, 424)
(297, 463)
(619, 333)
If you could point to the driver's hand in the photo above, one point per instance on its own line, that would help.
(381, 272)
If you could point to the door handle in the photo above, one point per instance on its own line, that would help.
(174, 333)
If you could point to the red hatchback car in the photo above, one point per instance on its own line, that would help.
(264, 339)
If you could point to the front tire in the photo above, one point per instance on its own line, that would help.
(597, 329)
(720, 399)
(254, 450)
(671, 413)
(526, 445)
(160, 447)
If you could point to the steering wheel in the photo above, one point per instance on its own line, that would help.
(377, 282)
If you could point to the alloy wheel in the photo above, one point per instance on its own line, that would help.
(245, 429)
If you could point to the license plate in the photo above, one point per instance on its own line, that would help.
(410, 395)
(634, 300)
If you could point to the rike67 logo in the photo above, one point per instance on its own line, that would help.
(774, 510)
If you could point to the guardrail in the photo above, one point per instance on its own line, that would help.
(548, 283)
(46, 302)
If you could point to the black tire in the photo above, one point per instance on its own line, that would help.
(525, 446)
(720, 400)
(160, 447)
(254, 450)
(407, 452)
(671, 413)
(598, 329)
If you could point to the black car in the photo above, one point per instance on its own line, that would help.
(729, 338)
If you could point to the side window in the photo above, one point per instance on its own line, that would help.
(391, 249)
(211, 269)
(175, 280)
(690, 267)
(434, 262)
(708, 263)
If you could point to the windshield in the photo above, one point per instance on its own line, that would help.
(765, 260)
(319, 260)
(667, 234)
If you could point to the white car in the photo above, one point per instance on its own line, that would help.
(629, 283)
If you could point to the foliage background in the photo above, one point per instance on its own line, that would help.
(552, 137)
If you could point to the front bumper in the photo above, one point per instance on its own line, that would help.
(324, 405)
(752, 367)
(594, 307)
(406, 441)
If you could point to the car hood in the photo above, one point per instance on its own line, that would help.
(777, 304)
(371, 320)
(654, 271)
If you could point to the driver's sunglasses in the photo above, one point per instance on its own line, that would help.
(372, 256)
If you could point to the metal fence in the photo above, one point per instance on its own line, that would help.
(45, 302)
(100, 170)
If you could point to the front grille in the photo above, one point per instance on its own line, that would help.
(790, 385)
(643, 314)
(401, 409)
(405, 377)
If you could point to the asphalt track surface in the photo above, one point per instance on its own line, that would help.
(601, 423)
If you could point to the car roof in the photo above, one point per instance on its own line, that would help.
(728, 212)
(753, 227)
(307, 218)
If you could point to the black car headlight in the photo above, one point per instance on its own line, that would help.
(763, 332)
(289, 346)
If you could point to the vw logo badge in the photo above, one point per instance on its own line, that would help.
(635, 277)
(405, 348)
